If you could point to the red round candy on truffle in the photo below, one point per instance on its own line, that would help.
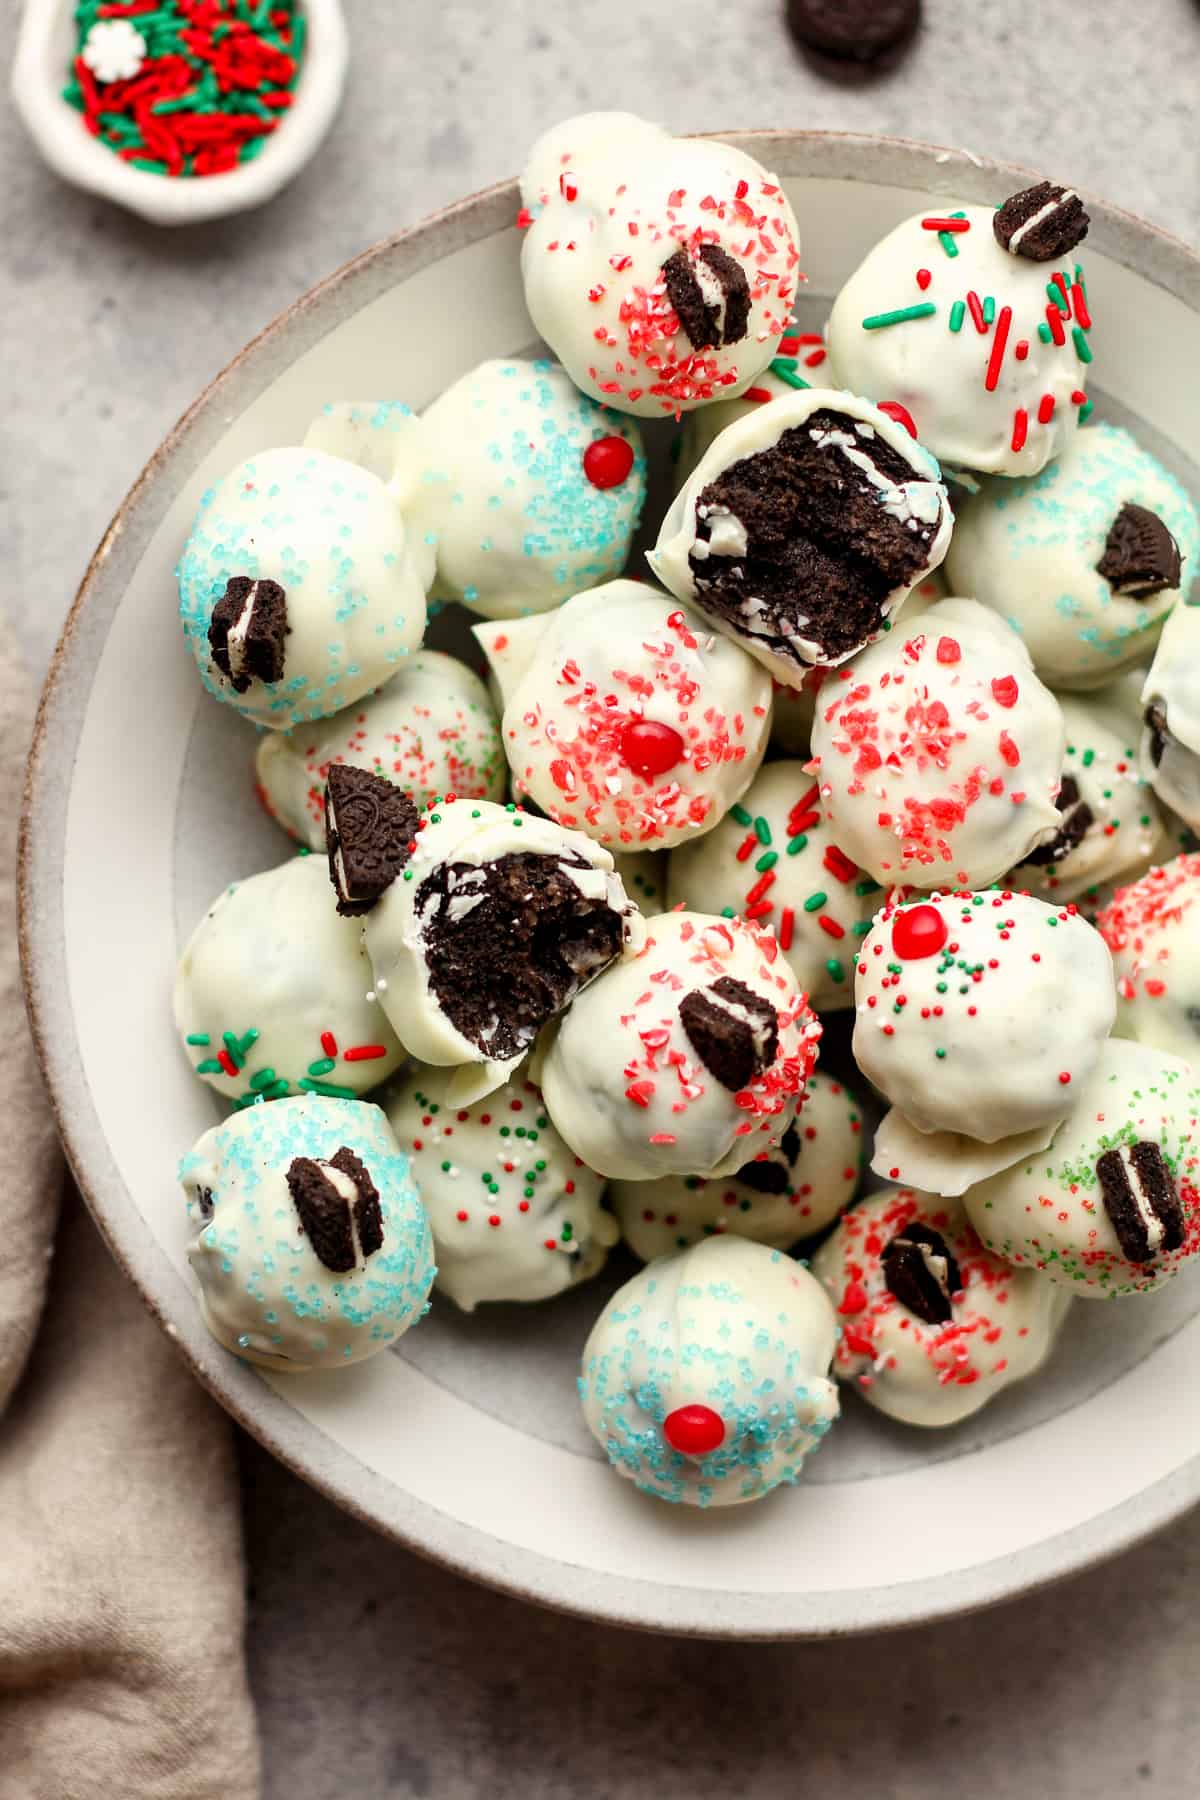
(901, 414)
(918, 931)
(607, 461)
(650, 749)
(694, 1430)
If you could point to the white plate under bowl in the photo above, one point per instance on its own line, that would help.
(466, 1443)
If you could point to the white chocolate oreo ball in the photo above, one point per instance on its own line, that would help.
(481, 922)
(627, 718)
(1111, 1206)
(1153, 931)
(297, 590)
(706, 1378)
(986, 346)
(1085, 561)
(1170, 740)
(1111, 825)
(515, 1215)
(981, 1014)
(529, 490)
(931, 1325)
(312, 1249)
(661, 271)
(940, 752)
(784, 1195)
(375, 435)
(687, 1059)
(431, 729)
(772, 860)
(273, 993)
(804, 528)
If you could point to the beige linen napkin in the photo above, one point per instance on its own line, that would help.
(122, 1671)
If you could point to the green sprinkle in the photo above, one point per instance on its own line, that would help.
(940, 1054)
(568, 1231)
(767, 861)
(862, 888)
(815, 902)
(1085, 412)
(200, 1038)
(741, 815)
(787, 362)
(408, 874)
(151, 164)
(762, 830)
(1083, 349)
(835, 969)
(1044, 332)
(989, 309)
(877, 321)
(322, 1066)
(788, 376)
(328, 1089)
(1056, 294)
(210, 1066)
(265, 1078)
(797, 844)
(1088, 758)
(861, 928)
(958, 313)
(727, 912)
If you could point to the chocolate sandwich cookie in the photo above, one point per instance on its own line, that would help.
(370, 834)
(857, 31)
(247, 632)
(1041, 223)
(338, 1204)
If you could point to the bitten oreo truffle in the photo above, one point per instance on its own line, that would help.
(370, 832)
(931, 1325)
(804, 527)
(1042, 223)
(312, 1249)
(495, 923)
(639, 1075)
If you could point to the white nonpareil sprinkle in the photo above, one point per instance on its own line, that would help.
(114, 50)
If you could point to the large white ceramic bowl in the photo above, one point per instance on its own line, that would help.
(466, 1443)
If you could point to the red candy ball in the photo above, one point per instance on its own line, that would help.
(919, 931)
(901, 414)
(608, 461)
(650, 749)
(694, 1430)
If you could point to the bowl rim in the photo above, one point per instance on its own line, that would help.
(1165, 260)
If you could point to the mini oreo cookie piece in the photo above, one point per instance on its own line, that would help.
(709, 291)
(1042, 223)
(1169, 748)
(860, 31)
(493, 925)
(1111, 1207)
(1141, 557)
(804, 527)
(1077, 820)
(247, 632)
(370, 829)
(637, 1075)
(312, 1248)
(932, 1325)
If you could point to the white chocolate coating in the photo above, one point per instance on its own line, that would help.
(727, 1326)
(1050, 1213)
(917, 503)
(332, 536)
(515, 1215)
(1170, 754)
(981, 1013)
(1029, 550)
(274, 986)
(644, 875)
(1153, 930)
(1004, 1321)
(792, 1192)
(940, 373)
(940, 752)
(612, 667)
(476, 833)
(774, 860)
(431, 729)
(265, 1294)
(608, 198)
(626, 1086)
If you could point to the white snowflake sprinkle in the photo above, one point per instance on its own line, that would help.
(114, 50)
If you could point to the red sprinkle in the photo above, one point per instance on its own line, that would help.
(1004, 690)
(951, 225)
(694, 1430)
(999, 341)
(1020, 428)
(975, 308)
(329, 1043)
(1045, 411)
(365, 1053)
(901, 414)
(607, 462)
(918, 931)
(787, 922)
(923, 279)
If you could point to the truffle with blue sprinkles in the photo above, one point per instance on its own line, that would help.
(297, 589)
(312, 1248)
(1085, 560)
(527, 489)
(706, 1378)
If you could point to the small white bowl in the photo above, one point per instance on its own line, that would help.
(45, 46)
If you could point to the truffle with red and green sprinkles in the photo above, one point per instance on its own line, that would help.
(1111, 1206)
(515, 1214)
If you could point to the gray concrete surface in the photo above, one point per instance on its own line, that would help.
(377, 1675)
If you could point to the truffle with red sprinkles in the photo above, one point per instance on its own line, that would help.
(661, 271)
(939, 752)
(625, 717)
(689, 1058)
(1153, 931)
(981, 1014)
(515, 1215)
(783, 1196)
(1111, 1207)
(931, 1325)
(705, 1380)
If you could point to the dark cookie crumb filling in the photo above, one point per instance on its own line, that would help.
(701, 320)
(261, 653)
(1159, 1196)
(1064, 226)
(1141, 557)
(502, 966)
(1077, 820)
(370, 833)
(775, 1172)
(823, 556)
(326, 1216)
(1160, 737)
(733, 1030)
(914, 1280)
